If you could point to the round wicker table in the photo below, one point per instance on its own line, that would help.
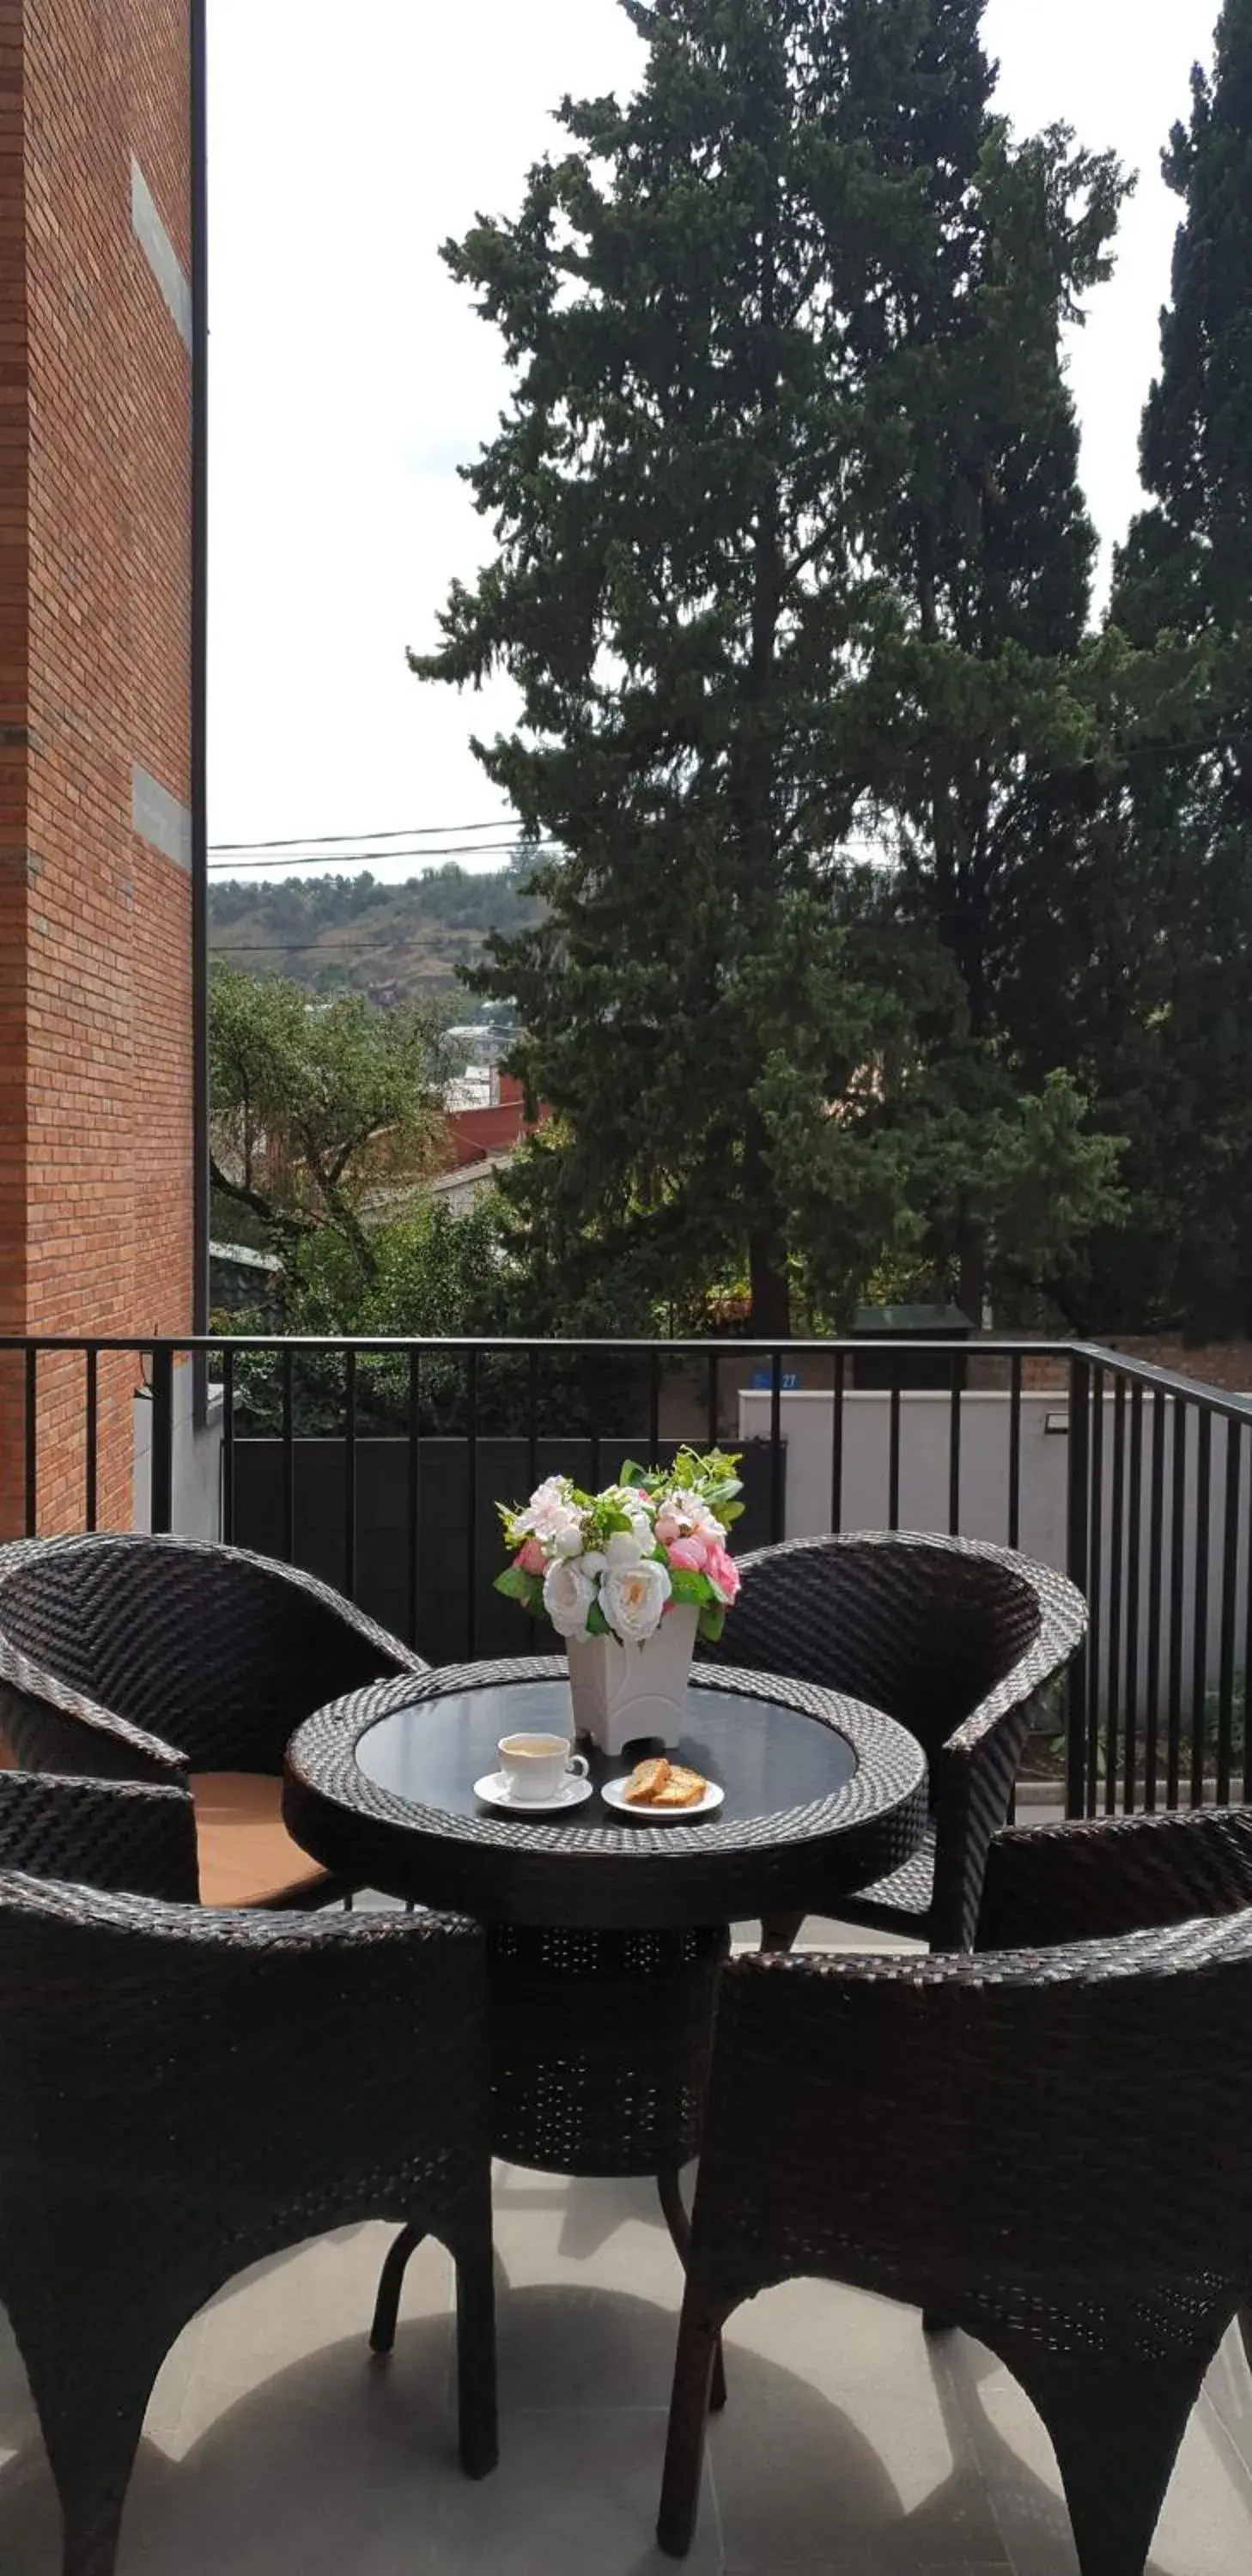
(606, 1936)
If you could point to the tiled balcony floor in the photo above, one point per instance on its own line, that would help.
(850, 2447)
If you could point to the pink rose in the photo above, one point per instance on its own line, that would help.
(723, 1574)
(690, 1555)
(668, 1529)
(531, 1558)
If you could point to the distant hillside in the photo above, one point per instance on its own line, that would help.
(396, 942)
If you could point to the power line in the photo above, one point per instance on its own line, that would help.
(332, 840)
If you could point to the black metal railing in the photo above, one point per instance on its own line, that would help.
(377, 1464)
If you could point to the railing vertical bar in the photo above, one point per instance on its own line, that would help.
(289, 1457)
(415, 1494)
(1247, 1664)
(1230, 1579)
(1077, 1546)
(349, 1474)
(1134, 1586)
(471, 1502)
(777, 1516)
(1177, 1526)
(228, 1447)
(1117, 1541)
(893, 1460)
(1156, 1596)
(91, 1438)
(532, 1418)
(31, 1451)
(162, 1477)
(715, 1413)
(1095, 1584)
(836, 1448)
(954, 1449)
(654, 1407)
(1200, 1630)
(1015, 1450)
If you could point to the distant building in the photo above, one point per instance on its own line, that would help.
(242, 1281)
(488, 1119)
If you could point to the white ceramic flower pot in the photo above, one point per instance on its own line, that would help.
(624, 1693)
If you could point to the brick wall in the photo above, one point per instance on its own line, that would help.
(95, 607)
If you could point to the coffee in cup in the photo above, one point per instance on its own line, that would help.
(536, 1766)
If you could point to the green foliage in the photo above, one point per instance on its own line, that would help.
(314, 1108)
(790, 545)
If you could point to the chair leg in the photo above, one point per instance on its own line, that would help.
(91, 2393)
(674, 2207)
(780, 1932)
(1116, 2438)
(387, 2304)
(476, 2361)
(699, 2342)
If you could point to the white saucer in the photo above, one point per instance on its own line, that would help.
(614, 1795)
(494, 1791)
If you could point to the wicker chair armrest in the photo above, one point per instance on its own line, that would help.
(972, 1778)
(43, 1715)
(293, 1578)
(1095, 1880)
(122, 1837)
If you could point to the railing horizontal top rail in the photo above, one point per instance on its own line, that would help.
(1094, 1355)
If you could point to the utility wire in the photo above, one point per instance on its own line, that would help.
(331, 840)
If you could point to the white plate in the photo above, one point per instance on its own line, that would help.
(494, 1791)
(614, 1795)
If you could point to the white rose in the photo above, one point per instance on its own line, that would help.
(622, 1549)
(568, 1594)
(595, 1561)
(633, 1597)
(549, 1509)
(568, 1541)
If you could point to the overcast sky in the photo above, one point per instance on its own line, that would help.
(350, 377)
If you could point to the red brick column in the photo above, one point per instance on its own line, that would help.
(95, 786)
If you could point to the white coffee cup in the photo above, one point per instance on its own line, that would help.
(536, 1766)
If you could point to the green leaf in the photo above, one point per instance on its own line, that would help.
(519, 1586)
(687, 1586)
(711, 1622)
(597, 1624)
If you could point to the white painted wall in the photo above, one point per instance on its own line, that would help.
(197, 1505)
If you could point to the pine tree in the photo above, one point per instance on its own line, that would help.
(789, 544)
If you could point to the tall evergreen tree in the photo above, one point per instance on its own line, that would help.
(789, 544)
(1174, 1059)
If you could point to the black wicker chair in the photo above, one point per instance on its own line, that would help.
(871, 2121)
(965, 1644)
(170, 1659)
(186, 2092)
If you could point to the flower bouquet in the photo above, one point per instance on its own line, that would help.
(627, 1577)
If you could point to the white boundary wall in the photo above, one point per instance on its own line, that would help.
(925, 1430)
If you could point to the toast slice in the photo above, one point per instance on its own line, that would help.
(647, 1781)
(682, 1789)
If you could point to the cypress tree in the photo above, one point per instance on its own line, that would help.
(789, 547)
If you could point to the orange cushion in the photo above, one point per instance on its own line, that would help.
(246, 1855)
